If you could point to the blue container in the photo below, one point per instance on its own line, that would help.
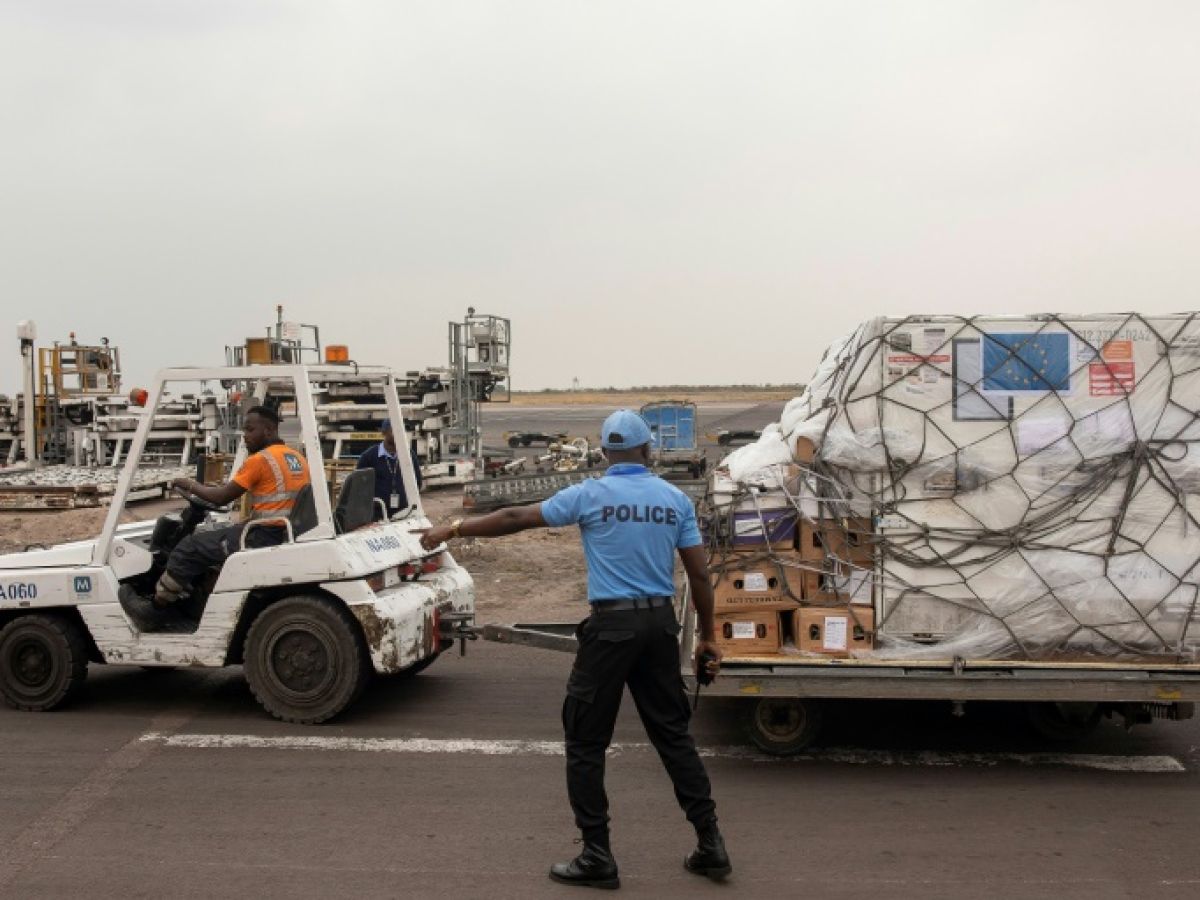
(672, 425)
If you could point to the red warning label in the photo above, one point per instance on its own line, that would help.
(1111, 379)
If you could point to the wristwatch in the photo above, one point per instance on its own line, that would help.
(455, 528)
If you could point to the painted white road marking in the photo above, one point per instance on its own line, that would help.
(40, 836)
(847, 756)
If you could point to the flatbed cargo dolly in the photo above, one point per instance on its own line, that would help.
(784, 696)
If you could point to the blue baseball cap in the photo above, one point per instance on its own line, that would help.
(624, 430)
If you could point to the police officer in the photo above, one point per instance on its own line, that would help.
(632, 523)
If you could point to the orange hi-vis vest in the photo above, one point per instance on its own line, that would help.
(273, 477)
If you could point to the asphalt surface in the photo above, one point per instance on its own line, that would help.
(585, 422)
(174, 783)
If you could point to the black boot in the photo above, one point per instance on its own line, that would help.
(709, 858)
(594, 867)
(145, 615)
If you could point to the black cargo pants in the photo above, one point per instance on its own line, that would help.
(639, 648)
(204, 550)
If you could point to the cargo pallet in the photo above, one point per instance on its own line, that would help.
(37, 497)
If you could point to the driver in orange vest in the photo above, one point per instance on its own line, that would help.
(272, 475)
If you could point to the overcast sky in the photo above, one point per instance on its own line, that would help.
(687, 192)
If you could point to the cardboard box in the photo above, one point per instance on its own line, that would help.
(834, 631)
(760, 530)
(749, 633)
(845, 540)
(839, 585)
(763, 586)
(806, 450)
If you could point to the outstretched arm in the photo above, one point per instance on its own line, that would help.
(497, 524)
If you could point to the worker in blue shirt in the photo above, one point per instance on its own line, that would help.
(389, 483)
(632, 524)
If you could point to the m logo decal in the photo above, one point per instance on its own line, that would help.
(83, 584)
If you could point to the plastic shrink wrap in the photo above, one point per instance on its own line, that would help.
(1031, 484)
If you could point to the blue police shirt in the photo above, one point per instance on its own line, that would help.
(631, 522)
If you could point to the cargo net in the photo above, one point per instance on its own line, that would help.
(985, 488)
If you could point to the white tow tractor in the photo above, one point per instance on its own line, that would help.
(348, 593)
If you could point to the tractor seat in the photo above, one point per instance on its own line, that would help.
(304, 511)
(356, 501)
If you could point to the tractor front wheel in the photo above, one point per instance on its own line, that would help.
(43, 661)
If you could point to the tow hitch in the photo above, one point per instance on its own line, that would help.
(457, 626)
(544, 635)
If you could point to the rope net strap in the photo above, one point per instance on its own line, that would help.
(998, 488)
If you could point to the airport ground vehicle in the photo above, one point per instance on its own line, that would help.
(349, 593)
(530, 438)
(735, 437)
(673, 445)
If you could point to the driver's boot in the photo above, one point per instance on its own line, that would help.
(168, 591)
(140, 609)
(593, 867)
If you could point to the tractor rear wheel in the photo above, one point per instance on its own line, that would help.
(305, 659)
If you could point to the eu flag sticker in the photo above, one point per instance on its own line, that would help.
(1026, 362)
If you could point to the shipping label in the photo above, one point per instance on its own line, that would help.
(1111, 379)
(755, 581)
(1117, 351)
(836, 628)
(743, 630)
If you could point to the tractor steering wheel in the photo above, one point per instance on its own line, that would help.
(199, 503)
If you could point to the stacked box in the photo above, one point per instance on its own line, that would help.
(834, 631)
(848, 540)
(840, 558)
(761, 586)
(749, 633)
(756, 518)
(758, 530)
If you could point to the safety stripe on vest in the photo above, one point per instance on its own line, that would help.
(261, 500)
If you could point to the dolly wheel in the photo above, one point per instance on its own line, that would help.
(305, 659)
(782, 727)
(43, 661)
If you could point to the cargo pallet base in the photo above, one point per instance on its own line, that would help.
(784, 695)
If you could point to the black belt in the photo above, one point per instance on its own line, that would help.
(630, 603)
